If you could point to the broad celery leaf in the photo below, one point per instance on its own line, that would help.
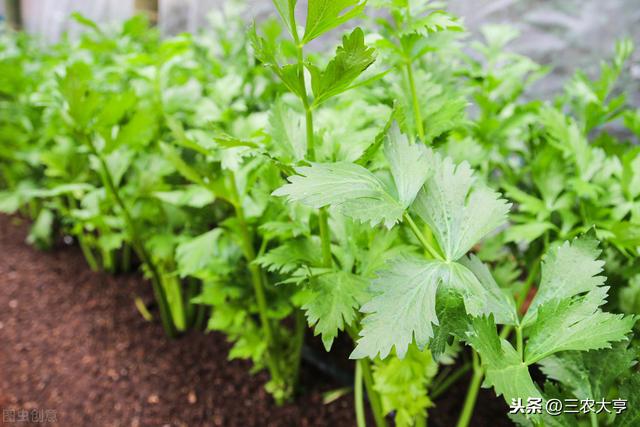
(291, 255)
(575, 323)
(404, 309)
(352, 189)
(410, 164)
(589, 374)
(287, 133)
(492, 298)
(325, 15)
(404, 306)
(459, 210)
(567, 270)
(206, 255)
(504, 369)
(352, 58)
(358, 193)
(332, 302)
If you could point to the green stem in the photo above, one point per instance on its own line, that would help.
(300, 328)
(323, 218)
(522, 297)
(416, 103)
(88, 254)
(126, 258)
(374, 397)
(421, 238)
(257, 282)
(156, 280)
(359, 396)
(472, 393)
(594, 419)
(325, 237)
(84, 247)
(450, 380)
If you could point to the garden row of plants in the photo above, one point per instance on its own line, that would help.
(404, 188)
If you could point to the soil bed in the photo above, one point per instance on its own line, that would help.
(73, 342)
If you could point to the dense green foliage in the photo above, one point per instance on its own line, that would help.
(404, 190)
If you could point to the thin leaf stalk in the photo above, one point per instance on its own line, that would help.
(82, 241)
(374, 397)
(156, 279)
(416, 231)
(417, 114)
(359, 396)
(258, 284)
(451, 379)
(375, 402)
(472, 393)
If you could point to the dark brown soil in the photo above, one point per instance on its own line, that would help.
(73, 343)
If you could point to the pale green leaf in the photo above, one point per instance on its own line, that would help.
(352, 58)
(459, 210)
(291, 255)
(497, 301)
(189, 195)
(403, 309)
(287, 133)
(403, 385)
(504, 369)
(410, 164)
(333, 302)
(575, 324)
(352, 189)
(567, 270)
(589, 374)
(325, 15)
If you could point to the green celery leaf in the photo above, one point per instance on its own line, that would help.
(291, 255)
(453, 321)
(575, 324)
(325, 15)
(410, 164)
(459, 210)
(333, 302)
(404, 305)
(286, 9)
(403, 309)
(567, 270)
(351, 60)
(358, 193)
(432, 23)
(287, 131)
(505, 371)
(496, 300)
(589, 374)
(354, 190)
